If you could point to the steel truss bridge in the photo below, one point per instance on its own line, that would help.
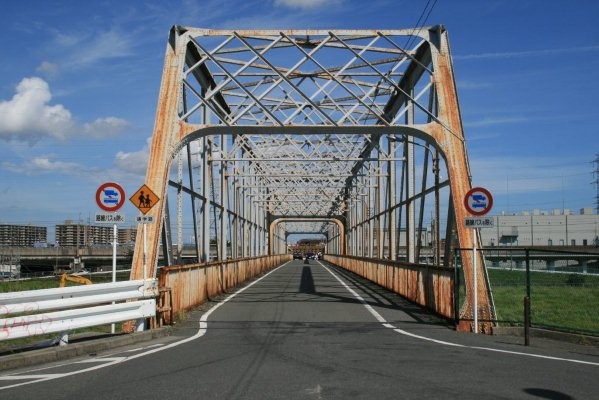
(354, 135)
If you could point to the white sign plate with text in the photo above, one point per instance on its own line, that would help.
(479, 222)
(110, 218)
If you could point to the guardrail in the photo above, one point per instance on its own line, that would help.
(427, 285)
(193, 284)
(26, 313)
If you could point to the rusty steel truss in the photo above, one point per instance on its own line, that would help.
(354, 135)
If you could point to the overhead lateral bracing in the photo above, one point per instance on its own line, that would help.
(354, 133)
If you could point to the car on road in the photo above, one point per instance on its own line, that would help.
(297, 256)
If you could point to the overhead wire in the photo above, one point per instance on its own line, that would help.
(416, 30)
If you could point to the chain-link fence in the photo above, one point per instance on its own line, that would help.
(562, 286)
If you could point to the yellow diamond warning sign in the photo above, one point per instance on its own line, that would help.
(144, 199)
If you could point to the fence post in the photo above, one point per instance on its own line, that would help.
(456, 289)
(527, 301)
(526, 320)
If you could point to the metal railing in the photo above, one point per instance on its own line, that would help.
(192, 284)
(427, 285)
(38, 312)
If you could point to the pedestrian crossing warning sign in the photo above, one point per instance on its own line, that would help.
(144, 199)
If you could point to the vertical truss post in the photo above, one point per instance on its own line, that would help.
(380, 204)
(194, 200)
(179, 258)
(371, 210)
(224, 197)
(420, 229)
(205, 237)
(392, 200)
(410, 190)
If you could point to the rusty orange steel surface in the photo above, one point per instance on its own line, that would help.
(193, 284)
(423, 285)
(428, 286)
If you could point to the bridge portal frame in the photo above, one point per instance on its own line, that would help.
(174, 131)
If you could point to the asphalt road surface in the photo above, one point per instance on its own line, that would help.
(313, 331)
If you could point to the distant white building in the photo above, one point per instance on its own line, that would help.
(543, 228)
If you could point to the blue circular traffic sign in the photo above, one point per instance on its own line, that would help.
(110, 196)
(478, 201)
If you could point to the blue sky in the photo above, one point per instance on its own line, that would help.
(79, 84)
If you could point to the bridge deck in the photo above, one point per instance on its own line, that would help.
(315, 331)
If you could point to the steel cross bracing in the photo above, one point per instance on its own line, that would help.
(355, 134)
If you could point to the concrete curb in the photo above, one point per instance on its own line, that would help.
(85, 347)
(547, 334)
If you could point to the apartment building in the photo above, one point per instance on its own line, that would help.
(22, 235)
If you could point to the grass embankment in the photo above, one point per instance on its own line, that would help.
(565, 301)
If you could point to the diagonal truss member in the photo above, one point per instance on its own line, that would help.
(354, 135)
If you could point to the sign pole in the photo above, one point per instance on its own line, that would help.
(478, 201)
(110, 197)
(475, 283)
(145, 244)
(114, 239)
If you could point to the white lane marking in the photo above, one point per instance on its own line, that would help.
(117, 360)
(24, 377)
(100, 360)
(382, 320)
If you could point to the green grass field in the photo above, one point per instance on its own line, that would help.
(567, 302)
(53, 282)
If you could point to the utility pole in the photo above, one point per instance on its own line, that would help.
(596, 182)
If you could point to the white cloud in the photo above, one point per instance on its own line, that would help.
(472, 85)
(43, 164)
(29, 117)
(48, 69)
(489, 121)
(306, 4)
(528, 53)
(135, 162)
(525, 174)
(104, 46)
(103, 127)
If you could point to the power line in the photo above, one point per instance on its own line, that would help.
(420, 25)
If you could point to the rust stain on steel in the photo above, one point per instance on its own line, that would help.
(452, 143)
(429, 286)
(158, 164)
(193, 284)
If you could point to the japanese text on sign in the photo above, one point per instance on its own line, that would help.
(479, 222)
(110, 218)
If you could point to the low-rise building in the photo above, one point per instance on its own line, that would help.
(543, 228)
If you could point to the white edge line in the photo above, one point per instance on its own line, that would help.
(201, 332)
(382, 320)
